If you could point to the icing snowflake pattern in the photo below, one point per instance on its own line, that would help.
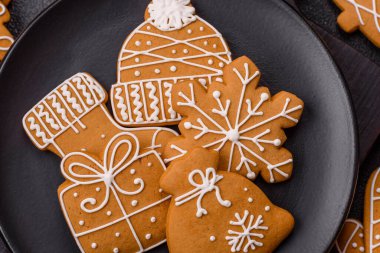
(248, 234)
(239, 120)
(169, 15)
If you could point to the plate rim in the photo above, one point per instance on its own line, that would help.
(293, 13)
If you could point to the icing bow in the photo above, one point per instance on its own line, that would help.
(119, 154)
(208, 184)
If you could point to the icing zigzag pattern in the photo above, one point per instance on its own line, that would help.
(168, 94)
(72, 100)
(48, 119)
(121, 105)
(137, 103)
(155, 101)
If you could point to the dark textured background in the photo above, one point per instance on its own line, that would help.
(322, 16)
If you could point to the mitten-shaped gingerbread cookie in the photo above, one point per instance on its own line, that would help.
(217, 211)
(172, 45)
(363, 15)
(114, 204)
(351, 238)
(239, 120)
(74, 117)
(6, 38)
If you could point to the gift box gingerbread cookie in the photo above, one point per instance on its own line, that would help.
(172, 44)
(217, 211)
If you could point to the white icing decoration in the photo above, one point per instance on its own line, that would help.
(361, 249)
(42, 114)
(103, 136)
(75, 195)
(153, 219)
(72, 100)
(121, 105)
(373, 199)
(149, 43)
(155, 101)
(212, 238)
(117, 234)
(137, 73)
(115, 250)
(148, 236)
(160, 190)
(252, 232)
(370, 10)
(168, 93)
(81, 223)
(205, 43)
(83, 150)
(138, 43)
(354, 245)
(174, 51)
(214, 46)
(267, 208)
(208, 185)
(109, 213)
(185, 51)
(149, 164)
(250, 200)
(134, 203)
(133, 171)
(82, 87)
(189, 31)
(137, 59)
(201, 28)
(137, 102)
(169, 15)
(361, 235)
(157, 71)
(97, 189)
(237, 133)
(94, 245)
(3, 10)
(210, 62)
(173, 68)
(358, 227)
(245, 189)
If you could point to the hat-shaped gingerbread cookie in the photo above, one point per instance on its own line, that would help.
(114, 204)
(172, 45)
(217, 211)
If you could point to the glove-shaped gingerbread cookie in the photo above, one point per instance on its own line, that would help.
(172, 44)
(239, 120)
(74, 117)
(217, 211)
(114, 204)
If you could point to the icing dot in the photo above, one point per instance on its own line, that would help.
(267, 208)
(189, 31)
(134, 202)
(148, 27)
(210, 62)
(277, 142)
(75, 195)
(361, 249)
(187, 125)
(212, 238)
(378, 190)
(115, 250)
(103, 136)
(137, 60)
(149, 43)
(220, 80)
(173, 68)
(361, 235)
(201, 28)
(133, 171)
(97, 189)
(81, 223)
(160, 190)
(153, 219)
(354, 245)
(137, 73)
(216, 94)
(117, 234)
(157, 71)
(84, 150)
(245, 189)
(214, 46)
(251, 175)
(221, 64)
(148, 236)
(205, 43)
(109, 213)
(377, 237)
(138, 43)
(150, 164)
(94, 245)
(250, 200)
(264, 96)
(185, 51)
(174, 51)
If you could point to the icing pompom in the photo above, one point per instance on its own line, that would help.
(169, 15)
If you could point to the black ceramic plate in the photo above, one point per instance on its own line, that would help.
(86, 35)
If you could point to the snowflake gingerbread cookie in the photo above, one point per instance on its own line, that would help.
(172, 45)
(114, 204)
(6, 38)
(74, 117)
(239, 120)
(217, 211)
(351, 238)
(363, 15)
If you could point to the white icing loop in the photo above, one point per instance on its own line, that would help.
(106, 172)
(169, 15)
(208, 184)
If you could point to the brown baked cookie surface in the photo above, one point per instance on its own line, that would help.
(74, 118)
(240, 120)
(6, 38)
(216, 211)
(115, 204)
(372, 213)
(363, 15)
(173, 44)
(351, 238)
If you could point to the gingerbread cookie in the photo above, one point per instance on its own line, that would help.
(173, 44)
(74, 117)
(217, 211)
(114, 204)
(372, 213)
(6, 38)
(239, 120)
(363, 15)
(351, 238)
